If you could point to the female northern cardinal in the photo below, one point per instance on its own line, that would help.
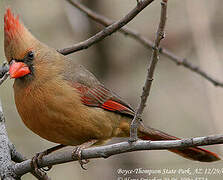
(63, 102)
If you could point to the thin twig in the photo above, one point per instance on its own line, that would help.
(118, 148)
(16, 156)
(6, 165)
(151, 69)
(4, 69)
(6, 75)
(146, 42)
(4, 72)
(108, 30)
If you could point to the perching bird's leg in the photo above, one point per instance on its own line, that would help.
(38, 158)
(77, 152)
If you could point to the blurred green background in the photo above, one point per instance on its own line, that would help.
(181, 102)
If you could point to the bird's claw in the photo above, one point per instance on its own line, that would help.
(77, 152)
(36, 160)
(34, 165)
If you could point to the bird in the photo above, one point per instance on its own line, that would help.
(62, 102)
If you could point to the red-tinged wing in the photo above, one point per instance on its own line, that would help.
(101, 97)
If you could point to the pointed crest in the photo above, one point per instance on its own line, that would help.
(18, 40)
(12, 25)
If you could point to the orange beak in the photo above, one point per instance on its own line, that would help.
(18, 69)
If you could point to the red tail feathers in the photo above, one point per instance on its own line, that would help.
(193, 153)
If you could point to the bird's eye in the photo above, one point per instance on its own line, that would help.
(30, 55)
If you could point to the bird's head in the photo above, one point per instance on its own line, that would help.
(19, 46)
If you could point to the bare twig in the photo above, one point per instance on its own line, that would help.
(4, 69)
(118, 148)
(151, 69)
(6, 75)
(6, 165)
(192, 67)
(4, 72)
(16, 156)
(108, 30)
(146, 42)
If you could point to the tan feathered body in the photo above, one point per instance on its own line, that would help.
(51, 108)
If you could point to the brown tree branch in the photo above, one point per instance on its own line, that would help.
(146, 42)
(118, 148)
(108, 30)
(151, 69)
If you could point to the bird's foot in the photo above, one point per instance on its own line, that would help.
(77, 152)
(36, 160)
